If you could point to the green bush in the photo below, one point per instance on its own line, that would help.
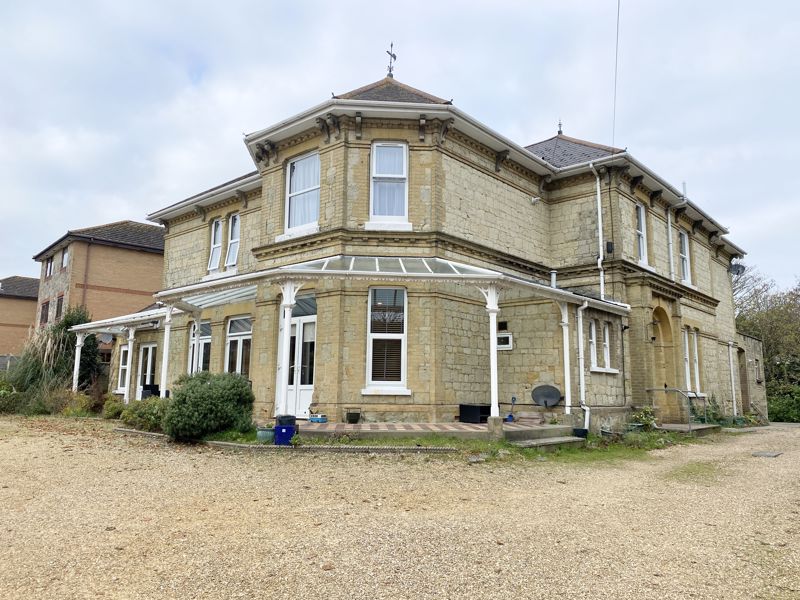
(79, 405)
(145, 415)
(783, 401)
(12, 402)
(112, 408)
(645, 416)
(204, 403)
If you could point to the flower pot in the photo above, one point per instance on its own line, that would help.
(265, 435)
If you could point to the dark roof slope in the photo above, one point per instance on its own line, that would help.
(19, 287)
(389, 89)
(563, 151)
(125, 234)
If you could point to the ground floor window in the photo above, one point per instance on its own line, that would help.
(204, 355)
(123, 368)
(238, 344)
(386, 343)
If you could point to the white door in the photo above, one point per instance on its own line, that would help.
(300, 375)
(147, 368)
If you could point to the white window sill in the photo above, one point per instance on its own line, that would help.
(385, 391)
(119, 391)
(217, 274)
(298, 232)
(604, 370)
(647, 266)
(688, 284)
(387, 226)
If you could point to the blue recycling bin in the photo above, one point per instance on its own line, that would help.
(284, 434)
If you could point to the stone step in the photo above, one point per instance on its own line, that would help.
(552, 443)
(537, 432)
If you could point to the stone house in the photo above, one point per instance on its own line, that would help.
(18, 296)
(394, 257)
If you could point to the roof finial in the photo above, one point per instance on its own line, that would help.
(392, 58)
(559, 127)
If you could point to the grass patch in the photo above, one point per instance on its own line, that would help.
(695, 472)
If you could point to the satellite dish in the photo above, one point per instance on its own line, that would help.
(546, 395)
(737, 269)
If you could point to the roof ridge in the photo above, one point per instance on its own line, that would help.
(391, 81)
(121, 222)
(610, 149)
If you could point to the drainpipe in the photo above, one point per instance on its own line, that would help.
(581, 363)
(733, 382)
(681, 204)
(599, 233)
(565, 336)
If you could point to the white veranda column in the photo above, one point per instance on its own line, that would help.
(492, 295)
(196, 353)
(165, 351)
(565, 337)
(131, 336)
(77, 366)
(289, 291)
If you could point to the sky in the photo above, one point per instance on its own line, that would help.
(112, 110)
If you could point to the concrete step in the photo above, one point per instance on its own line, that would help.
(535, 432)
(552, 443)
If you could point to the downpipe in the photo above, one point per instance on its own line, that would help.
(600, 250)
(587, 412)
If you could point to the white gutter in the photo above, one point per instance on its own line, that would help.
(600, 252)
(733, 381)
(581, 365)
(245, 183)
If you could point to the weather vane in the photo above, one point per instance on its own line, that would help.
(392, 58)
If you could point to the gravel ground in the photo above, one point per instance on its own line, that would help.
(86, 513)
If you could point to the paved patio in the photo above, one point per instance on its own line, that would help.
(460, 430)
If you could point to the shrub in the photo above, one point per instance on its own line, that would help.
(79, 405)
(204, 403)
(784, 403)
(112, 408)
(145, 415)
(645, 416)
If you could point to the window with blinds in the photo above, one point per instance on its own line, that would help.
(387, 336)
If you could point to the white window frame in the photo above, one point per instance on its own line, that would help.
(305, 228)
(48, 267)
(696, 362)
(232, 253)
(65, 257)
(687, 370)
(245, 335)
(593, 343)
(152, 349)
(685, 257)
(201, 354)
(508, 343)
(388, 222)
(389, 388)
(606, 345)
(216, 227)
(641, 234)
(123, 368)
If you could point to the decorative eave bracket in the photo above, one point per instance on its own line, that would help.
(499, 157)
(200, 210)
(242, 197)
(358, 125)
(635, 181)
(444, 129)
(696, 225)
(263, 152)
(654, 196)
(422, 128)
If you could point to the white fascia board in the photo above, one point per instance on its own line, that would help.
(400, 110)
(123, 320)
(207, 198)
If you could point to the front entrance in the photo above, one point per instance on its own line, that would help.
(146, 374)
(302, 346)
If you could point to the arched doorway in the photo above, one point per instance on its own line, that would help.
(664, 365)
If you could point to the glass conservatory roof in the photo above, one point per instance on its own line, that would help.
(390, 265)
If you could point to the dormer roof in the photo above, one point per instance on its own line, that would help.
(389, 89)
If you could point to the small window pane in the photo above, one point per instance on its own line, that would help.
(205, 354)
(386, 360)
(244, 325)
(363, 263)
(387, 311)
(390, 199)
(233, 351)
(389, 160)
(304, 208)
(305, 306)
(304, 174)
(246, 357)
(415, 265)
(389, 265)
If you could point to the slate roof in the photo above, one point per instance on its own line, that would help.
(19, 287)
(124, 234)
(389, 89)
(563, 151)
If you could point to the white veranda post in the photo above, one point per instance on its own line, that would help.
(131, 336)
(165, 351)
(196, 353)
(77, 366)
(289, 291)
(492, 295)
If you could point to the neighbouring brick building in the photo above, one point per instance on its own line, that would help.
(18, 297)
(419, 260)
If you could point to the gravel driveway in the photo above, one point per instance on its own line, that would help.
(86, 513)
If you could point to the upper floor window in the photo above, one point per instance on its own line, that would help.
(64, 258)
(240, 333)
(59, 307)
(216, 245)
(641, 233)
(389, 192)
(685, 257)
(48, 267)
(233, 241)
(302, 199)
(44, 316)
(386, 343)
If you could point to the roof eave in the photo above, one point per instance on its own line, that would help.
(246, 184)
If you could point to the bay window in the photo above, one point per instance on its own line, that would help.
(238, 345)
(386, 344)
(302, 198)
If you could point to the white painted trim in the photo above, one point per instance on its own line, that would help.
(297, 232)
(385, 391)
(609, 370)
(388, 226)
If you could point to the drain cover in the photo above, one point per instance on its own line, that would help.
(767, 454)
